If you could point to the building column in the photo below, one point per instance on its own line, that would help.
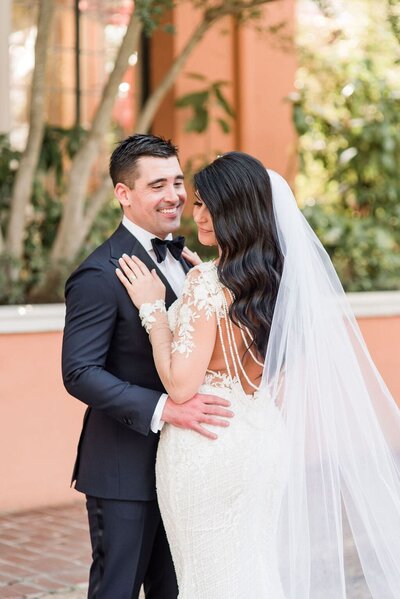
(5, 28)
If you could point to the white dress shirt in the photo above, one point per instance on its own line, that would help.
(174, 273)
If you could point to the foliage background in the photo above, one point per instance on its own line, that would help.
(347, 113)
(346, 110)
(77, 177)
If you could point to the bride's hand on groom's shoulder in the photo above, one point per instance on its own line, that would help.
(143, 286)
(191, 257)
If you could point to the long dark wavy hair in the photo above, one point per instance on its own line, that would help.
(236, 189)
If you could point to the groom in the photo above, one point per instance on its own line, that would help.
(107, 363)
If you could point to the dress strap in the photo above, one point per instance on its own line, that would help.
(233, 349)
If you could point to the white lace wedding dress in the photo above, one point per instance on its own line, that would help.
(220, 499)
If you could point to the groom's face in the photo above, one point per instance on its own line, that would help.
(158, 196)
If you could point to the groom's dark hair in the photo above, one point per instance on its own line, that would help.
(124, 159)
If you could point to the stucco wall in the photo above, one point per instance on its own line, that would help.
(40, 422)
(259, 71)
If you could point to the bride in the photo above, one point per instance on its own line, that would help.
(315, 440)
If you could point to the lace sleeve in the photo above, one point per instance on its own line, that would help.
(189, 349)
(200, 301)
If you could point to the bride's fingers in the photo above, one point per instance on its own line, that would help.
(154, 274)
(129, 268)
(190, 256)
(141, 265)
(133, 265)
(188, 252)
(123, 279)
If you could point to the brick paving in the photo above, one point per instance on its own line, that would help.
(45, 554)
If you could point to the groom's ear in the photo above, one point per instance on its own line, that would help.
(123, 194)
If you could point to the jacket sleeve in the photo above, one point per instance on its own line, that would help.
(92, 309)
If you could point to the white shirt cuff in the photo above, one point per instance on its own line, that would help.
(156, 423)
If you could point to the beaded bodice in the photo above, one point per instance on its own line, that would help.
(233, 361)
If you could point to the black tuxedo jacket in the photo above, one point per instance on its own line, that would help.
(107, 363)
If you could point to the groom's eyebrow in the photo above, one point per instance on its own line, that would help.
(164, 179)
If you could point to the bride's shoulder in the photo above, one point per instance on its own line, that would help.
(204, 268)
(203, 286)
(203, 273)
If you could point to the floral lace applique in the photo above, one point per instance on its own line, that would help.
(146, 313)
(219, 379)
(202, 294)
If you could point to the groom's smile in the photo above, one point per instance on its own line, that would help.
(157, 195)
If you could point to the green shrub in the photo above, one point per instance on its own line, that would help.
(347, 115)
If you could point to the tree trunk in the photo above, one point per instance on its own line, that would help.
(394, 18)
(210, 16)
(75, 222)
(145, 118)
(23, 183)
(65, 245)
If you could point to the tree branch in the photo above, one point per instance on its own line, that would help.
(147, 114)
(210, 16)
(84, 159)
(325, 8)
(393, 12)
(23, 182)
(67, 242)
(96, 203)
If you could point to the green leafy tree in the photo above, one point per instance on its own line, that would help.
(347, 114)
(34, 257)
(203, 103)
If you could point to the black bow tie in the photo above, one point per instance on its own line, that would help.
(175, 246)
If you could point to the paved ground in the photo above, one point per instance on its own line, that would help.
(44, 551)
(45, 554)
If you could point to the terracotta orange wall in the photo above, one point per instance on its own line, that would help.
(382, 336)
(40, 423)
(267, 68)
(213, 58)
(260, 76)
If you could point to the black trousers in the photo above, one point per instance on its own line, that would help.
(129, 548)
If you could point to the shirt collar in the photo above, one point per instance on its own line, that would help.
(144, 237)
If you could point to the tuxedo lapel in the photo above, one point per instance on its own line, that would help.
(123, 242)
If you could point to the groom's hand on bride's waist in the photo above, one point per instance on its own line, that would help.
(198, 411)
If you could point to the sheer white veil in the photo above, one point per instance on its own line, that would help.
(343, 426)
